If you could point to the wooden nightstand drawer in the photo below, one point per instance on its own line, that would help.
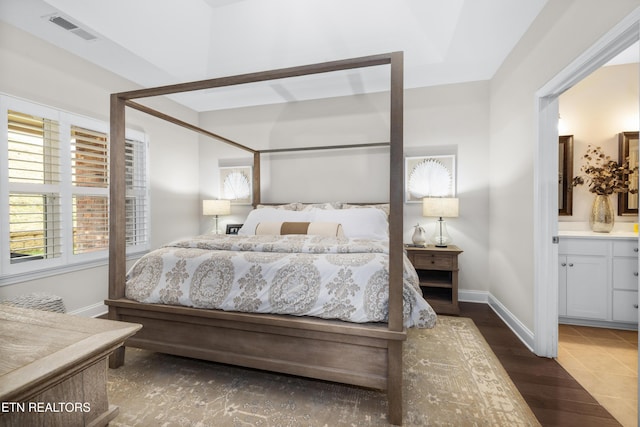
(432, 261)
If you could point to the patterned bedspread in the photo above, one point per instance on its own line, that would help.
(327, 277)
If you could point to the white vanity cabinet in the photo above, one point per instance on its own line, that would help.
(598, 281)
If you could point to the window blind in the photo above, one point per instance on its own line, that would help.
(89, 158)
(35, 229)
(34, 226)
(136, 201)
(90, 178)
(33, 149)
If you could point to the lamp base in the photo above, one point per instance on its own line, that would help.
(441, 238)
(214, 223)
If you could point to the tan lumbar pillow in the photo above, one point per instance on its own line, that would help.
(328, 229)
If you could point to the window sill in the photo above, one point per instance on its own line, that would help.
(13, 279)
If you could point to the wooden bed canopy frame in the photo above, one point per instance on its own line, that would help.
(368, 355)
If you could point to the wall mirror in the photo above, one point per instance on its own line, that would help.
(565, 175)
(628, 148)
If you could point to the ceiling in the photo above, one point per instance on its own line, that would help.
(152, 42)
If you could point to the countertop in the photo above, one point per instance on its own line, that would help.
(591, 234)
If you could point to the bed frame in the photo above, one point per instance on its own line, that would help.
(368, 355)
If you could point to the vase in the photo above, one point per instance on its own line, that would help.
(419, 236)
(602, 218)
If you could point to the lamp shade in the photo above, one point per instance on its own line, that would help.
(446, 207)
(216, 207)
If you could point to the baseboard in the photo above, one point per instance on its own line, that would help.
(94, 310)
(484, 297)
(521, 331)
(473, 296)
(598, 324)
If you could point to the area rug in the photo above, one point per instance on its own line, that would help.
(451, 378)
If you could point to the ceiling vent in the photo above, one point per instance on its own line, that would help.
(70, 26)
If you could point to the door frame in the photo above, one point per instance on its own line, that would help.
(545, 221)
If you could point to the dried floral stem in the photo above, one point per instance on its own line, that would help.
(604, 175)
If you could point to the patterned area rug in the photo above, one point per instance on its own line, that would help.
(451, 378)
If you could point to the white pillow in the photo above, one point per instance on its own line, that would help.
(257, 216)
(365, 223)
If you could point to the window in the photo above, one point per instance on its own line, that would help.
(54, 174)
(33, 149)
(90, 186)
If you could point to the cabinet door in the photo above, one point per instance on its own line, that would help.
(625, 306)
(587, 287)
(625, 273)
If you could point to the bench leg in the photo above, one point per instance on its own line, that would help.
(116, 359)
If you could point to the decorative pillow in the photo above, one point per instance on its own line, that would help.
(328, 229)
(327, 205)
(269, 214)
(384, 207)
(287, 206)
(365, 223)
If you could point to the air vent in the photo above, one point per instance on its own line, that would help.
(70, 26)
(61, 22)
(83, 34)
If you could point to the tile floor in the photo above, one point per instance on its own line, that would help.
(605, 363)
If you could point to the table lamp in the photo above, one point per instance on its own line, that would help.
(440, 207)
(216, 208)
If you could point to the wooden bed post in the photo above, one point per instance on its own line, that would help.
(117, 215)
(256, 178)
(396, 189)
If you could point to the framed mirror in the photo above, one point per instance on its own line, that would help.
(565, 175)
(628, 148)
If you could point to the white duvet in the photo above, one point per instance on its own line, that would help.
(326, 277)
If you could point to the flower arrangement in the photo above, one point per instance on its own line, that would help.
(604, 175)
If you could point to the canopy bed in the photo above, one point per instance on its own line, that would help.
(367, 353)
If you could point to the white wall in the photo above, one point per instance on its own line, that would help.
(445, 119)
(37, 71)
(595, 111)
(563, 30)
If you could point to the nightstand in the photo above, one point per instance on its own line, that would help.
(437, 269)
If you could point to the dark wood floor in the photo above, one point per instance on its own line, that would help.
(553, 395)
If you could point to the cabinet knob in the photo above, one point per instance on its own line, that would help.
(570, 264)
(564, 264)
(635, 249)
(635, 305)
(635, 273)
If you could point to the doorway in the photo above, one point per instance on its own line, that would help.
(546, 266)
(546, 272)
